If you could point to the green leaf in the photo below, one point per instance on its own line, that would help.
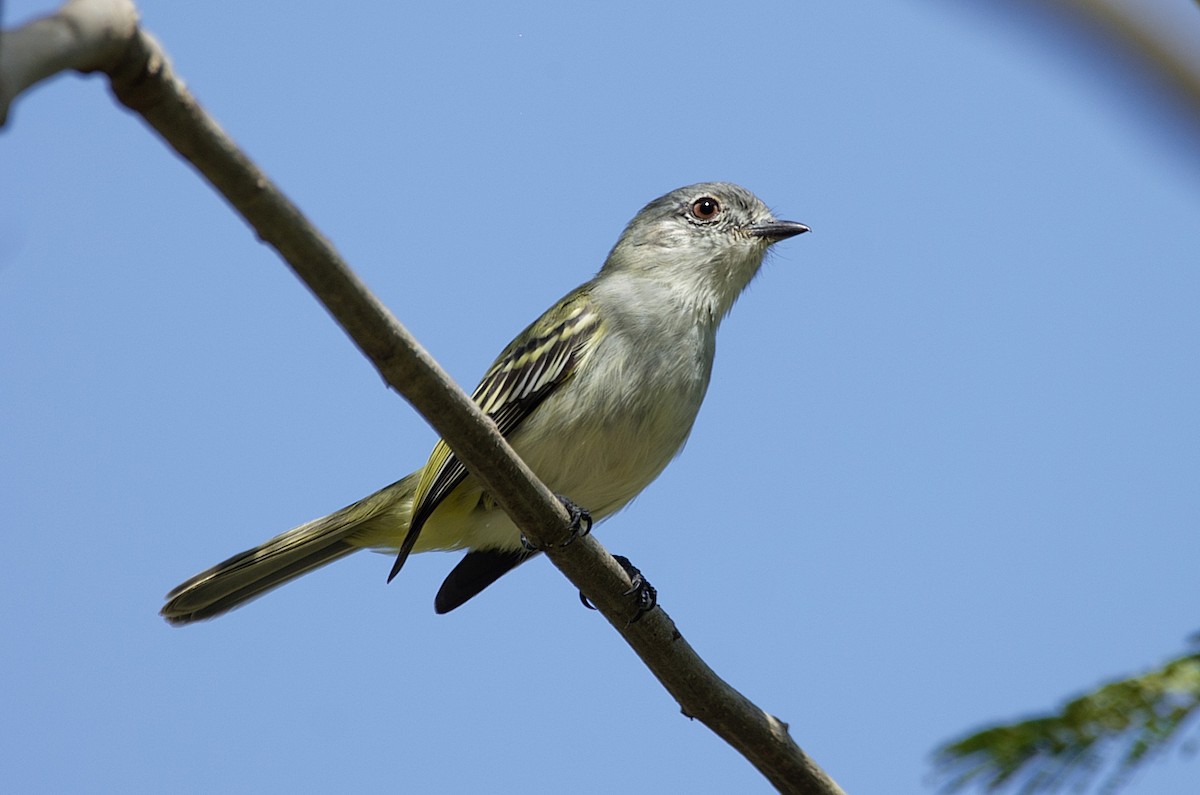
(1117, 727)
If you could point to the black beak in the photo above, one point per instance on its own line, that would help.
(777, 230)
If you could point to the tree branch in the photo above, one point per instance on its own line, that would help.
(102, 35)
(83, 35)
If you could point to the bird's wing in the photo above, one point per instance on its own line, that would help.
(540, 360)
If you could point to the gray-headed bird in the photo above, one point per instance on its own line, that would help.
(596, 396)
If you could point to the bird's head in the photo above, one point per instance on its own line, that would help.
(705, 240)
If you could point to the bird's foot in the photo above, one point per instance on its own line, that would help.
(581, 525)
(645, 595)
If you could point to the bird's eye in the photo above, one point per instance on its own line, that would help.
(705, 208)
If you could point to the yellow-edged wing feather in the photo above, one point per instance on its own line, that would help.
(530, 369)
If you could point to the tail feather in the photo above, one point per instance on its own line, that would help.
(250, 574)
(219, 590)
(479, 569)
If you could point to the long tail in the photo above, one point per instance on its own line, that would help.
(250, 574)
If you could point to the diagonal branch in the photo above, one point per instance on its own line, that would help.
(143, 80)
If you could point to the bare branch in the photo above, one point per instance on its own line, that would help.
(83, 35)
(143, 80)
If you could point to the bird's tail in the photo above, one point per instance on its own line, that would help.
(250, 574)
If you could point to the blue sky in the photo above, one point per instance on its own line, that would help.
(948, 471)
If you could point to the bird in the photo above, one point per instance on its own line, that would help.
(597, 396)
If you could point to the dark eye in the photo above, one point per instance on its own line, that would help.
(705, 208)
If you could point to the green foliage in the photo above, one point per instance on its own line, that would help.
(1118, 726)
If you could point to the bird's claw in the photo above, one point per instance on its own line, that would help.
(580, 525)
(581, 521)
(645, 595)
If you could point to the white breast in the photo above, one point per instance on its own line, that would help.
(605, 436)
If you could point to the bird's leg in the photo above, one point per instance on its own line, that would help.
(645, 595)
(581, 525)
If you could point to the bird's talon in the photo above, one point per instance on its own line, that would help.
(580, 525)
(646, 598)
(645, 595)
(581, 521)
